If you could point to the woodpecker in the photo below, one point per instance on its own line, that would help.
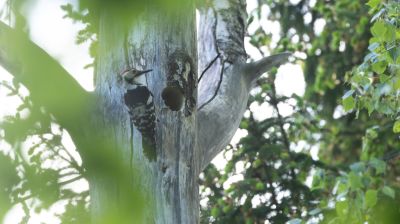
(139, 101)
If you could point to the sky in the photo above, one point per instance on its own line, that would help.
(56, 35)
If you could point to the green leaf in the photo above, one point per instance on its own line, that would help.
(396, 127)
(357, 167)
(388, 191)
(318, 180)
(228, 167)
(342, 188)
(260, 186)
(384, 78)
(390, 33)
(342, 208)
(215, 212)
(379, 67)
(249, 221)
(394, 54)
(257, 163)
(372, 133)
(379, 165)
(373, 3)
(370, 107)
(355, 181)
(348, 103)
(371, 197)
(227, 208)
(378, 29)
(396, 85)
(244, 124)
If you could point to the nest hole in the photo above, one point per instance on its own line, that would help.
(173, 98)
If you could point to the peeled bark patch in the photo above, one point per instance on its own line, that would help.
(181, 83)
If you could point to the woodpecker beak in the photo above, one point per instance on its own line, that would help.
(144, 72)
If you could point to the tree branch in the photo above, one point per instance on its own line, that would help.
(222, 30)
(50, 85)
(257, 68)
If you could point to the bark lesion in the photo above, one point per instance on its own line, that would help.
(179, 92)
(229, 29)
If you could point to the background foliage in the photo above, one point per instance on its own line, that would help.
(349, 114)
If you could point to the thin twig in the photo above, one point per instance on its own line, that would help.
(208, 67)
(70, 180)
(218, 86)
(68, 174)
(23, 199)
(286, 141)
(72, 162)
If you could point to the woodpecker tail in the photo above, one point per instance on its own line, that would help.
(149, 148)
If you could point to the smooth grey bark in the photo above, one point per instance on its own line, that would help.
(221, 32)
(187, 140)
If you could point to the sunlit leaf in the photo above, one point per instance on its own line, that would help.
(371, 197)
(378, 29)
(379, 165)
(379, 67)
(355, 181)
(373, 3)
(342, 208)
(396, 127)
(348, 103)
(388, 191)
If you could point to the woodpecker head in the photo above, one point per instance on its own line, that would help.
(133, 76)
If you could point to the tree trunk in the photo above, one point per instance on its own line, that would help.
(164, 40)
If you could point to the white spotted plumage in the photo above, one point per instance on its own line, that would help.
(139, 101)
